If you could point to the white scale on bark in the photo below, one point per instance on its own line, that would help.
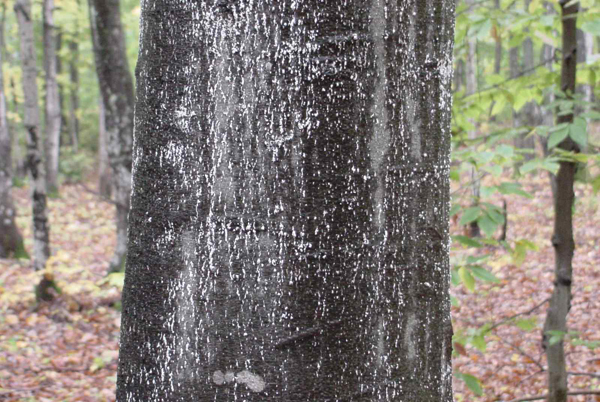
(289, 221)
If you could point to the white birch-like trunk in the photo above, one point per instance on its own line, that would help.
(52, 99)
(31, 120)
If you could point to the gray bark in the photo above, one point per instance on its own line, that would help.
(498, 46)
(11, 241)
(562, 238)
(288, 235)
(529, 115)
(52, 101)
(74, 94)
(471, 88)
(116, 87)
(105, 184)
(31, 120)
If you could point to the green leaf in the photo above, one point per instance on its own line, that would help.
(473, 259)
(592, 114)
(506, 151)
(467, 241)
(466, 278)
(487, 225)
(483, 274)
(596, 184)
(529, 166)
(496, 215)
(558, 136)
(479, 342)
(592, 27)
(454, 174)
(455, 209)
(578, 134)
(471, 214)
(472, 383)
(454, 301)
(526, 324)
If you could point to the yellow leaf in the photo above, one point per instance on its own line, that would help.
(12, 319)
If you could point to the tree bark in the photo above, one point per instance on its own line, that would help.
(35, 166)
(288, 235)
(11, 241)
(74, 94)
(562, 239)
(116, 86)
(52, 100)
(529, 114)
(105, 184)
(471, 88)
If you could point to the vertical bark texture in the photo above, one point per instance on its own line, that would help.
(35, 166)
(104, 172)
(11, 241)
(52, 99)
(116, 86)
(471, 88)
(288, 235)
(562, 239)
(529, 113)
(74, 94)
(498, 45)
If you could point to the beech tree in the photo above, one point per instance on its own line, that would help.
(288, 232)
(116, 87)
(31, 120)
(562, 238)
(11, 241)
(52, 100)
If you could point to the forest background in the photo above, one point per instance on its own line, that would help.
(506, 151)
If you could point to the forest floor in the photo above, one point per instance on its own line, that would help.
(66, 350)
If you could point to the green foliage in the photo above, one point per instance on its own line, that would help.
(472, 382)
(73, 166)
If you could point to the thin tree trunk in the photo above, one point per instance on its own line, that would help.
(289, 222)
(74, 94)
(562, 239)
(529, 114)
(471, 88)
(104, 176)
(116, 86)
(52, 101)
(11, 241)
(498, 45)
(61, 90)
(35, 166)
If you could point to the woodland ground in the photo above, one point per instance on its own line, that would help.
(66, 350)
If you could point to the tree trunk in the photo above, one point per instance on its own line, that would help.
(52, 100)
(11, 241)
(529, 114)
(35, 166)
(105, 184)
(471, 88)
(498, 45)
(74, 94)
(116, 86)
(289, 222)
(562, 239)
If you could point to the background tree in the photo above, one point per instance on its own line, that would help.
(289, 222)
(52, 101)
(562, 238)
(35, 166)
(116, 87)
(11, 241)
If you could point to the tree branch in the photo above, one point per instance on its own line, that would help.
(545, 396)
